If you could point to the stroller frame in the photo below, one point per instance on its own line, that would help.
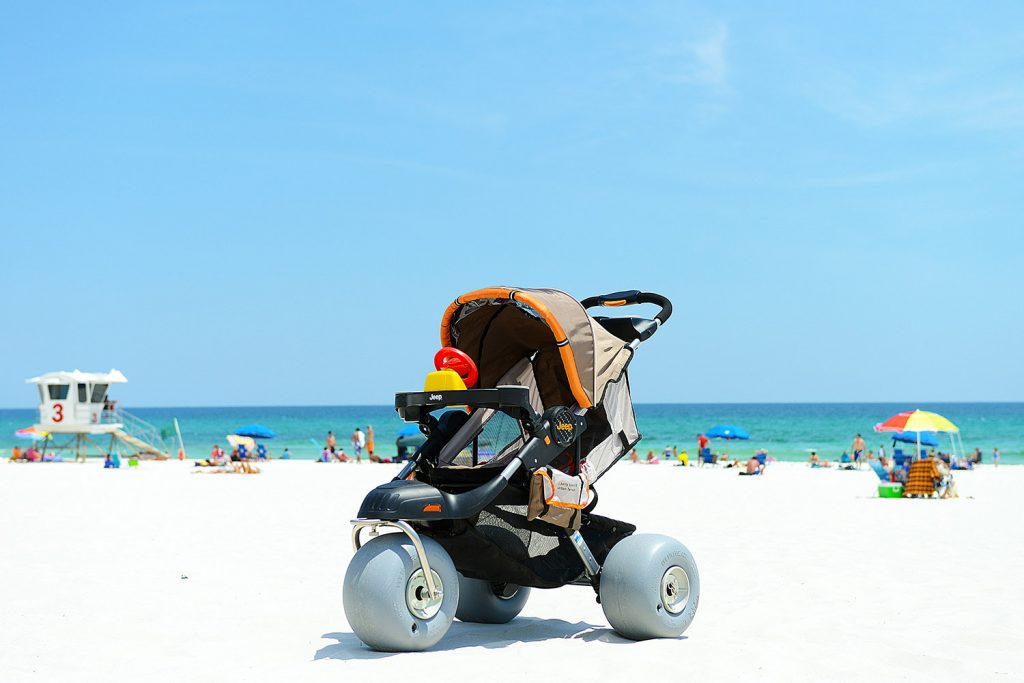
(440, 507)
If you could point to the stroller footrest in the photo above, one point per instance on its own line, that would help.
(403, 499)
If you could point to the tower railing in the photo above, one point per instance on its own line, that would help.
(137, 427)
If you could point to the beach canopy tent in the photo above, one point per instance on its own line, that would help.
(924, 438)
(727, 432)
(256, 431)
(921, 421)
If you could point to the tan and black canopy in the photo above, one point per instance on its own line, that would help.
(574, 357)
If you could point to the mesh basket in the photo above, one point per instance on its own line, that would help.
(502, 546)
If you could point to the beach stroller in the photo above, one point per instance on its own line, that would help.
(530, 406)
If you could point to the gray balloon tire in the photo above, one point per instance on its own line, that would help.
(374, 594)
(478, 603)
(631, 586)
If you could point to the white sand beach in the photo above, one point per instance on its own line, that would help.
(164, 575)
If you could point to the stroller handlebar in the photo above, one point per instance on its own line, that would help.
(630, 297)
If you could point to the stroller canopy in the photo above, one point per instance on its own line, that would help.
(575, 357)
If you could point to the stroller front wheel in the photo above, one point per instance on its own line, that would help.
(387, 602)
(483, 602)
(650, 587)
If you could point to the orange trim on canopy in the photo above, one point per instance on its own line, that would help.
(488, 293)
(565, 350)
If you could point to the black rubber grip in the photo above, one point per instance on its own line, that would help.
(630, 297)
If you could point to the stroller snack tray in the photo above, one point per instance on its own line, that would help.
(413, 406)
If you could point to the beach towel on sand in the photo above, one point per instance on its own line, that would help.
(923, 476)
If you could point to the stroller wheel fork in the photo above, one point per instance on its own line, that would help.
(427, 575)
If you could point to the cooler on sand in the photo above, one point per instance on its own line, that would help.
(890, 490)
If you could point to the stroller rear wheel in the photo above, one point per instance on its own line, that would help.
(387, 602)
(484, 602)
(649, 587)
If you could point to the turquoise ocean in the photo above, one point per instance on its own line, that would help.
(788, 431)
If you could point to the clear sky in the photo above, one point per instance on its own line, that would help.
(272, 203)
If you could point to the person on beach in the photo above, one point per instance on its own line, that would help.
(341, 457)
(858, 448)
(881, 453)
(286, 454)
(15, 454)
(995, 456)
(651, 458)
(816, 462)
(332, 443)
(634, 456)
(216, 458)
(369, 445)
(358, 442)
(702, 443)
(327, 455)
(754, 466)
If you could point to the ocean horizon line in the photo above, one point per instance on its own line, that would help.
(635, 403)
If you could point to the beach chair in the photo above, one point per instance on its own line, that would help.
(923, 479)
(880, 471)
(887, 488)
(761, 458)
(706, 458)
(899, 458)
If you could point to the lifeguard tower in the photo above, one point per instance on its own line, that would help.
(76, 412)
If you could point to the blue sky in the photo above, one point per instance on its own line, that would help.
(245, 203)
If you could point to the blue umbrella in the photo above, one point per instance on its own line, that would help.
(256, 431)
(727, 432)
(927, 438)
(410, 436)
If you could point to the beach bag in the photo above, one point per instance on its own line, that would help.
(557, 498)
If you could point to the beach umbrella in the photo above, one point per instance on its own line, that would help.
(235, 440)
(918, 421)
(31, 433)
(727, 432)
(410, 436)
(926, 438)
(256, 431)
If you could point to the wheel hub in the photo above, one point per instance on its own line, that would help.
(417, 595)
(675, 589)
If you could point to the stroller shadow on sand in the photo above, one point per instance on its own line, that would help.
(461, 635)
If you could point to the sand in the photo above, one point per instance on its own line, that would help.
(160, 574)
